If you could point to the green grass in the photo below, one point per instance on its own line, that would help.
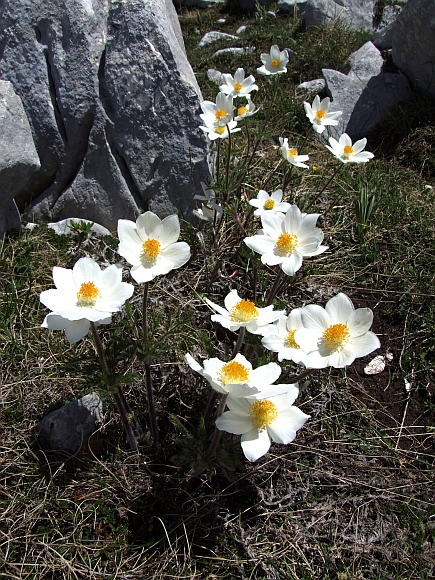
(352, 496)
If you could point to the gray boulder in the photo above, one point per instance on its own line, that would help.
(366, 94)
(68, 429)
(413, 44)
(313, 87)
(113, 105)
(18, 158)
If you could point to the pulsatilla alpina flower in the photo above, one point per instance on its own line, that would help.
(218, 114)
(290, 154)
(244, 111)
(348, 153)
(319, 115)
(84, 294)
(210, 207)
(214, 132)
(150, 245)
(266, 203)
(275, 62)
(237, 377)
(337, 334)
(239, 86)
(282, 338)
(239, 312)
(261, 418)
(287, 238)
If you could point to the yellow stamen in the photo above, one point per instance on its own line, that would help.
(286, 242)
(237, 86)
(335, 337)
(233, 373)
(290, 340)
(242, 110)
(87, 295)
(320, 114)
(274, 63)
(292, 153)
(244, 311)
(269, 204)
(151, 249)
(220, 113)
(219, 130)
(262, 413)
(347, 150)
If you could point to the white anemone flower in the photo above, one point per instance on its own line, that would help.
(348, 153)
(237, 377)
(150, 245)
(75, 330)
(262, 419)
(319, 115)
(209, 207)
(290, 154)
(244, 111)
(220, 113)
(275, 62)
(287, 238)
(239, 312)
(214, 133)
(282, 340)
(238, 86)
(337, 334)
(86, 292)
(267, 204)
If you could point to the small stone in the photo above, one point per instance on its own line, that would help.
(241, 29)
(271, 14)
(214, 76)
(235, 51)
(213, 36)
(311, 87)
(375, 366)
(62, 228)
(221, 21)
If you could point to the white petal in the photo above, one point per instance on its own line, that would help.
(265, 375)
(171, 231)
(86, 270)
(255, 444)
(149, 225)
(292, 264)
(360, 321)
(234, 423)
(77, 329)
(339, 308)
(283, 428)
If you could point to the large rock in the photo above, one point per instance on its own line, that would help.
(412, 41)
(18, 158)
(113, 104)
(366, 95)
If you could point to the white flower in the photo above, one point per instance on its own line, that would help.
(337, 334)
(291, 154)
(150, 245)
(237, 377)
(209, 207)
(238, 86)
(267, 204)
(286, 238)
(214, 133)
(282, 340)
(74, 329)
(274, 62)
(246, 110)
(85, 292)
(318, 114)
(260, 420)
(239, 312)
(218, 114)
(348, 153)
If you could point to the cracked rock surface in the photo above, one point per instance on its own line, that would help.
(112, 103)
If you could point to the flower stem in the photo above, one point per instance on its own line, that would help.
(274, 288)
(313, 201)
(148, 378)
(227, 168)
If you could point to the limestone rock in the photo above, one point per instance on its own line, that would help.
(234, 51)
(213, 36)
(18, 158)
(313, 87)
(113, 106)
(289, 6)
(199, 3)
(214, 76)
(63, 228)
(68, 429)
(413, 44)
(365, 63)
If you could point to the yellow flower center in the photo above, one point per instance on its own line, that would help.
(237, 86)
(262, 413)
(292, 153)
(219, 130)
(242, 111)
(320, 114)
(286, 242)
(290, 340)
(244, 311)
(87, 295)
(335, 337)
(274, 63)
(220, 113)
(269, 204)
(347, 150)
(233, 373)
(151, 249)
